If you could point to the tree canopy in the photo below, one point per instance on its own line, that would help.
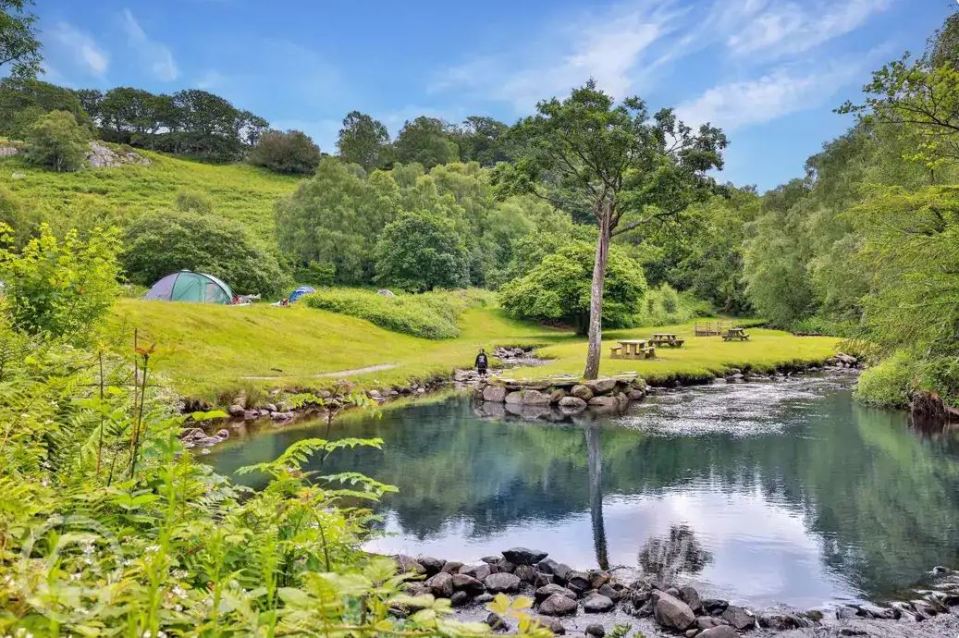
(19, 45)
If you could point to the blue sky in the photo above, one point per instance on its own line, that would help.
(767, 71)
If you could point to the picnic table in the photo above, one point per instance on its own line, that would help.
(633, 349)
(666, 339)
(736, 334)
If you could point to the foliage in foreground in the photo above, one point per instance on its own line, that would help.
(432, 315)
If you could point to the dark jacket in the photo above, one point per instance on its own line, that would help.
(481, 361)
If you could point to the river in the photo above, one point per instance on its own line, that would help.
(764, 493)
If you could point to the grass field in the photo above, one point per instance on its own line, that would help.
(238, 191)
(206, 351)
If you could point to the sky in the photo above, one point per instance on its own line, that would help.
(769, 72)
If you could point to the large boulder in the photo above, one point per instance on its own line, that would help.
(430, 564)
(408, 564)
(690, 596)
(581, 392)
(524, 555)
(494, 393)
(604, 402)
(597, 604)
(558, 605)
(739, 617)
(514, 398)
(672, 613)
(572, 403)
(464, 582)
(535, 397)
(479, 571)
(546, 591)
(441, 585)
(502, 582)
(601, 386)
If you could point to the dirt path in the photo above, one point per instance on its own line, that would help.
(338, 373)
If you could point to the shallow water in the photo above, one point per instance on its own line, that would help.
(764, 493)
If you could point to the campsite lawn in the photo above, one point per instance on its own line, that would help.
(209, 351)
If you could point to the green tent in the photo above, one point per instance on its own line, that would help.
(191, 286)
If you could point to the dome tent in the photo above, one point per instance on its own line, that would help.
(299, 292)
(191, 286)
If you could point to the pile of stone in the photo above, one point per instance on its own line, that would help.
(842, 360)
(559, 591)
(570, 395)
(196, 437)
(102, 156)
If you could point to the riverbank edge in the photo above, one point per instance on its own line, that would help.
(347, 395)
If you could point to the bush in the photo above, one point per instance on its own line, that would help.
(432, 315)
(15, 214)
(193, 201)
(420, 252)
(292, 152)
(558, 289)
(664, 305)
(890, 383)
(61, 287)
(56, 141)
(157, 244)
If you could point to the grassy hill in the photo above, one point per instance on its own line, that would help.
(208, 350)
(238, 191)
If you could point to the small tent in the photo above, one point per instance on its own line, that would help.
(191, 286)
(299, 292)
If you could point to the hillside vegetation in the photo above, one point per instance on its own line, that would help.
(237, 191)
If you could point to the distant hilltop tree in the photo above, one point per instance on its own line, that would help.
(292, 152)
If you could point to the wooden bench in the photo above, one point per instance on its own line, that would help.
(736, 334)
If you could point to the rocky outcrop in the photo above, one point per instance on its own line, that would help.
(102, 156)
(609, 395)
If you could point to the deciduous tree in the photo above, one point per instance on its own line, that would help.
(19, 46)
(363, 140)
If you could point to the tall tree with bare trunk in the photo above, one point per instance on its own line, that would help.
(624, 167)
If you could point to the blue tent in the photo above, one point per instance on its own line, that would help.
(299, 292)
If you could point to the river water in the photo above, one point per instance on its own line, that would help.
(764, 493)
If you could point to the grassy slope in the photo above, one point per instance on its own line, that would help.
(238, 191)
(207, 349)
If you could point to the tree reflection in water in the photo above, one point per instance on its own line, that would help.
(679, 553)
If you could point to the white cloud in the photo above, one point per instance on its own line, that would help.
(781, 28)
(155, 54)
(605, 46)
(79, 49)
(741, 103)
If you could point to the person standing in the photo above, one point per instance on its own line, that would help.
(482, 362)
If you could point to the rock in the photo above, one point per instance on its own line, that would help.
(482, 599)
(597, 631)
(459, 598)
(581, 392)
(441, 585)
(845, 613)
(598, 578)
(782, 622)
(535, 397)
(496, 622)
(927, 408)
(526, 573)
(739, 617)
(503, 565)
(102, 156)
(546, 565)
(502, 582)
(408, 564)
(715, 606)
(552, 624)
(723, 631)
(870, 610)
(236, 411)
(546, 591)
(605, 402)
(672, 613)
(479, 572)
(691, 597)
(452, 566)
(707, 622)
(556, 396)
(610, 592)
(430, 564)
(636, 395)
(597, 604)
(524, 556)
(558, 605)
(491, 560)
(383, 292)
(572, 403)
(418, 589)
(514, 398)
(601, 386)
(561, 572)
(578, 582)
(464, 582)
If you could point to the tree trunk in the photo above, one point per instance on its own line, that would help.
(594, 350)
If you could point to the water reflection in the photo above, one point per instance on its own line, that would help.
(781, 493)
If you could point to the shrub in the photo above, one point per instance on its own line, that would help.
(193, 201)
(56, 141)
(664, 305)
(558, 289)
(432, 315)
(889, 383)
(61, 287)
(291, 152)
(157, 244)
(15, 214)
(420, 252)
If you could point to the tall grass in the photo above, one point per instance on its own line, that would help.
(432, 315)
